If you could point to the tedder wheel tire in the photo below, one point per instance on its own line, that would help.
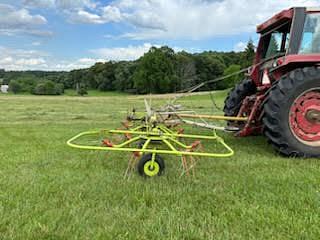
(236, 96)
(146, 169)
(291, 113)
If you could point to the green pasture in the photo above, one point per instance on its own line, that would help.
(50, 191)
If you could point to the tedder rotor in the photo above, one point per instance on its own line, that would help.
(153, 134)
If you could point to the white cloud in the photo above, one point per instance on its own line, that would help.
(191, 19)
(106, 14)
(6, 61)
(4, 51)
(240, 46)
(72, 65)
(31, 32)
(36, 44)
(39, 3)
(67, 66)
(61, 4)
(111, 14)
(11, 17)
(19, 59)
(146, 19)
(194, 19)
(104, 55)
(90, 61)
(179, 19)
(75, 10)
(16, 21)
(122, 53)
(85, 17)
(30, 62)
(71, 4)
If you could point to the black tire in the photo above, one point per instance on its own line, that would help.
(236, 96)
(147, 159)
(277, 108)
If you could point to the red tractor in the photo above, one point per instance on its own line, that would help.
(281, 96)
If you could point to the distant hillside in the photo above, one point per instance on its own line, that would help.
(161, 70)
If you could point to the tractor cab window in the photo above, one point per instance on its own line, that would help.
(311, 34)
(276, 43)
(274, 47)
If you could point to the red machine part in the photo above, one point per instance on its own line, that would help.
(304, 117)
(283, 16)
(251, 108)
(107, 142)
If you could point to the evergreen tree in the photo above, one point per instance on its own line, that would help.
(248, 55)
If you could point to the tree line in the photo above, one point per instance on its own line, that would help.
(160, 70)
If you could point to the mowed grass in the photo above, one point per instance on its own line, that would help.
(50, 191)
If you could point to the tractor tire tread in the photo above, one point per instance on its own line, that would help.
(232, 104)
(276, 128)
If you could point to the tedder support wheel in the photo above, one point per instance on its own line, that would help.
(148, 167)
(236, 96)
(292, 113)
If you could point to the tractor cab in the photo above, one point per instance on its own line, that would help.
(288, 40)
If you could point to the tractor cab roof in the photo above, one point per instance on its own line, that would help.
(276, 20)
(282, 17)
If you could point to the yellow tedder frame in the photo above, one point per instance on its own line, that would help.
(172, 141)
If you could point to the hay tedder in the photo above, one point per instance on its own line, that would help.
(155, 133)
(280, 98)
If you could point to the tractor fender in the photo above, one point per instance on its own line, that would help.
(291, 62)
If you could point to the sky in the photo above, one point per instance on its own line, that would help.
(71, 34)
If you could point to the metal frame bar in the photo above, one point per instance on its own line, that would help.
(214, 117)
(154, 135)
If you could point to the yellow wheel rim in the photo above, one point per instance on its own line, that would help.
(151, 169)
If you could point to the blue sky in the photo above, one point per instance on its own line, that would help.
(70, 34)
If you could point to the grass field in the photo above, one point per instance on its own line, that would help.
(50, 191)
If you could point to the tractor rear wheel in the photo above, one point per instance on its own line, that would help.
(236, 96)
(292, 114)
